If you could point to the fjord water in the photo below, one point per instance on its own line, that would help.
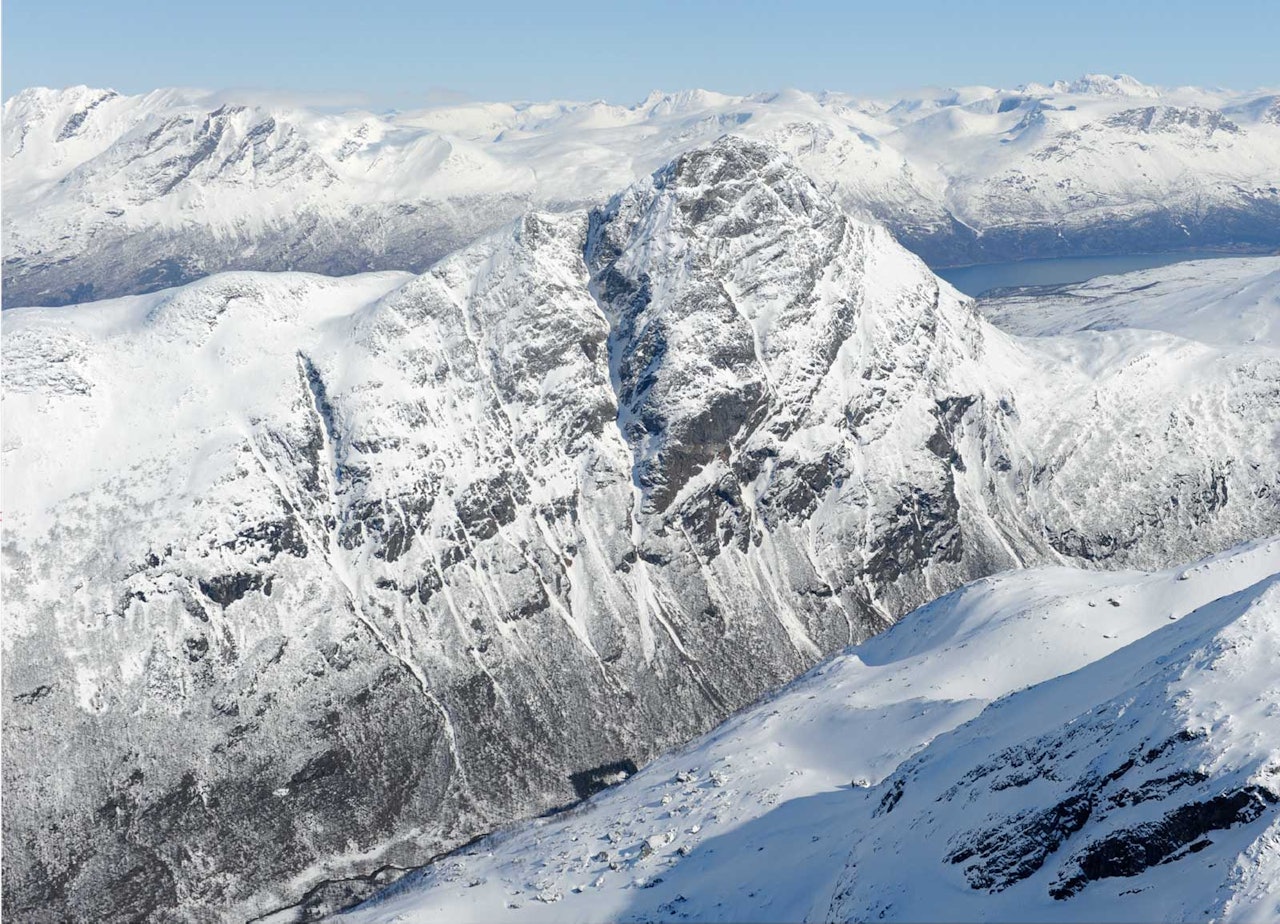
(1056, 271)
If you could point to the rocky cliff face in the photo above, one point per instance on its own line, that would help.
(307, 577)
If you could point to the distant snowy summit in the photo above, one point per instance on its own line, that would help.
(107, 194)
(1097, 85)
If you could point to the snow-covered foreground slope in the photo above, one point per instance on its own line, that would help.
(306, 575)
(107, 194)
(1051, 744)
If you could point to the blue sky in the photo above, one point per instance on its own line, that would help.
(385, 53)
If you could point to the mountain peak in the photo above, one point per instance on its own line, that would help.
(731, 158)
(1106, 85)
(660, 102)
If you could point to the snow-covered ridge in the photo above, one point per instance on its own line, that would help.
(402, 558)
(152, 190)
(1044, 745)
(1097, 84)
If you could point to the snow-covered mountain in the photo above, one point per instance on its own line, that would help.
(106, 194)
(1046, 745)
(307, 576)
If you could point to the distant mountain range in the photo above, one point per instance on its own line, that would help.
(107, 195)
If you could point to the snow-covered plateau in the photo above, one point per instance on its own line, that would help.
(1046, 745)
(309, 578)
(108, 195)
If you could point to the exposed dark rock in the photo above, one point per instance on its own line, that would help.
(1010, 853)
(801, 485)
(326, 764)
(226, 589)
(196, 648)
(1170, 118)
(71, 127)
(892, 797)
(1131, 851)
(1158, 788)
(278, 537)
(32, 696)
(950, 412)
(587, 783)
(922, 527)
(489, 505)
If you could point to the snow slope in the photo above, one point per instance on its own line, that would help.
(974, 731)
(1232, 303)
(306, 575)
(153, 190)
